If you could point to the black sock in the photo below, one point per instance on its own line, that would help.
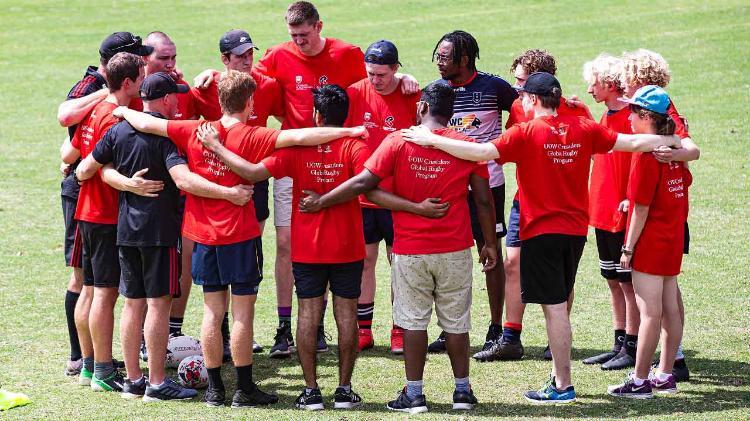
(511, 335)
(225, 327)
(175, 325)
(245, 378)
(71, 298)
(631, 344)
(619, 340)
(88, 364)
(214, 378)
(103, 370)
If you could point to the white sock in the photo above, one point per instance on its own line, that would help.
(679, 355)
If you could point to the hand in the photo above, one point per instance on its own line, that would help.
(360, 132)
(64, 169)
(176, 74)
(240, 194)
(574, 102)
(432, 208)
(624, 206)
(209, 137)
(143, 187)
(677, 141)
(625, 261)
(420, 135)
(409, 85)
(310, 203)
(488, 257)
(119, 112)
(204, 79)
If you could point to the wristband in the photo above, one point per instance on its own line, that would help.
(626, 251)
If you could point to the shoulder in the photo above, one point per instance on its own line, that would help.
(450, 133)
(358, 86)
(492, 79)
(337, 45)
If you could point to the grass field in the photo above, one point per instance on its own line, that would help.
(47, 45)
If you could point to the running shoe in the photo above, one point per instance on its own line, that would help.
(366, 340)
(667, 386)
(167, 391)
(322, 343)
(620, 361)
(84, 379)
(256, 397)
(601, 358)
(403, 404)
(346, 400)
(464, 400)
(438, 345)
(629, 389)
(73, 367)
(312, 401)
(283, 342)
(112, 383)
(134, 389)
(257, 347)
(547, 354)
(549, 394)
(214, 397)
(397, 341)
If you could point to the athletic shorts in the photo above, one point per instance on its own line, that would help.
(422, 280)
(498, 197)
(100, 260)
(311, 279)
(282, 202)
(260, 200)
(609, 245)
(378, 225)
(149, 272)
(548, 267)
(72, 244)
(238, 264)
(513, 239)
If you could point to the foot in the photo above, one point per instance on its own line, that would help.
(312, 401)
(366, 340)
(438, 345)
(283, 345)
(601, 358)
(257, 347)
(167, 391)
(403, 404)
(134, 389)
(549, 394)
(630, 390)
(397, 341)
(84, 379)
(464, 400)
(667, 386)
(256, 397)
(494, 332)
(547, 354)
(322, 336)
(111, 383)
(73, 367)
(346, 400)
(214, 397)
(620, 361)
(503, 350)
(680, 371)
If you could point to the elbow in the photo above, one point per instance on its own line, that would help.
(64, 117)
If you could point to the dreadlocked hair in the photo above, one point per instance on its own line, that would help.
(464, 44)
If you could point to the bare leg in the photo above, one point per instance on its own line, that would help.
(617, 300)
(243, 311)
(83, 309)
(131, 321)
(415, 353)
(102, 322)
(368, 274)
(632, 316)
(457, 345)
(514, 308)
(495, 281)
(560, 340)
(283, 267)
(186, 280)
(157, 333)
(648, 294)
(345, 312)
(671, 324)
(214, 307)
(308, 319)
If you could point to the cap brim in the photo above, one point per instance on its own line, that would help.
(181, 89)
(627, 100)
(145, 50)
(242, 49)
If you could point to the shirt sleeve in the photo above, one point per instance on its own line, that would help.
(171, 155)
(276, 95)
(360, 152)
(103, 152)
(602, 138)
(506, 95)
(355, 63)
(382, 162)
(510, 145)
(265, 64)
(680, 123)
(644, 179)
(515, 115)
(278, 163)
(180, 132)
(259, 143)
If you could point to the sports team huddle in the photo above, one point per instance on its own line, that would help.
(166, 186)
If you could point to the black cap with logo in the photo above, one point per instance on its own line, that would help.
(123, 42)
(382, 52)
(540, 83)
(236, 42)
(159, 85)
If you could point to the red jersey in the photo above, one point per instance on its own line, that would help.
(338, 63)
(553, 157)
(266, 100)
(664, 188)
(333, 235)
(609, 178)
(381, 115)
(97, 201)
(215, 221)
(185, 110)
(680, 122)
(517, 116)
(420, 173)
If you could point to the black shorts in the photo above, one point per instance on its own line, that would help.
(72, 244)
(609, 245)
(100, 261)
(311, 279)
(238, 264)
(260, 200)
(548, 267)
(498, 196)
(149, 272)
(378, 225)
(686, 244)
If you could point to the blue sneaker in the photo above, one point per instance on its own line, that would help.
(168, 390)
(549, 394)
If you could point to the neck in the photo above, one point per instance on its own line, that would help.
(228, 120)
(614, 104)
(540, 111)
(317, 47)
(431, 123)
(153, 108)
(464, 74)
(392, 87)
(119, 97)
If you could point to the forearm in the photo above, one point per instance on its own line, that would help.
(466, 150)
(311, 136)
(350, 189)
(72, 111)
(68, 153)
(391, 201)
(144, 122)
(637, 222)
(643, 142)
(247, 170)
(114, 179)
(87, 168)
(688, 152)
(196, 185)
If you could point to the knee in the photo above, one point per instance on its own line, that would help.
(283, 242)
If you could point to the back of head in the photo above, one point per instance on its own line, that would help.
(332, 102)
(440, 98)
(644, 67)
(534, 61)
(301, 12)
(123, 66)
(464, 44)
(605, 69)
(235, 89)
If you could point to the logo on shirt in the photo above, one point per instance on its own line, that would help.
(368, 116)
(560, 131)
(476, 97)
(301, 86)
(467, 122)
(298, 79)
(389, 124)
(323, 80)
(324, 148)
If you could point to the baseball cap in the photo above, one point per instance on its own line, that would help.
(236, 42)
(159, 85)
(382, 52)
(650, 97)
(119, 42)
(540, 83)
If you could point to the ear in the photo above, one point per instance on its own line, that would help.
(464, 61)
(318, 118)
(225, 60)
(319, 25)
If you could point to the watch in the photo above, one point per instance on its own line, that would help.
(626, 251)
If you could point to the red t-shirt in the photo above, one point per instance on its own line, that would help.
(339, 63)
(553, 157)
(97, 201)
(381, 115)
(609, 178)
(185, 109)
(216, 221)
(266, 100)
(333, 235)
(517, 116)
(420, 173)
(680, 122)
(664, 188)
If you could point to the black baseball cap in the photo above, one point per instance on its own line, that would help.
(382, 52)
(236, 42)
(540, 83)
(123, 42)
(159, 85)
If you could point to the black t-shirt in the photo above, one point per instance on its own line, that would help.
(143, 221)
(91, 82)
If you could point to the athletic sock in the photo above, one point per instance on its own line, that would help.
(347, 388)
(414, 388)
(323, 315)
(512, 331)
(245, 378)
(631, 344)
(214, 378)
(225, 327)
(619, 340)
(71, 298)
(462, 384)
(662, 377)
(638, 381)
(679, 355)
(175, 325)
(103, 370)
(364, 315)
(285, 315)
(88, 363)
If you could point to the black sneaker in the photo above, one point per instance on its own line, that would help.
(214, 397)
(134, 389)
(547, 354)
(283, 345)
(346, 400)
(312, 401)
(256, 397)
(117, 364)
(680, 371)
(464, 400)
(403, 404)
(257, 347)
(438, 345)
(619, 362)
(169, 390)
(322, 336)
(510, 350)
(601, 358)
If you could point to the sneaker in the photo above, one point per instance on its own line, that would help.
(403, 404)
(117, 364)
(73, 367)
(366, 340)
(283, 345)
(257, 347)
(666, 386)
(134, 389)
(397, 341)
(438, 345)
(620, 361)
(680, 371)
(601, 358)
(84, 379)
(489, 354)
(112, 383)
(346, 400)
(464, 400)
(312, 401)
(167, 391)
(547, 354)
(550, 395)
(510, 350)
(144, 352)
(214, 397)
(630, 390)
(322, 336)
(256, 397)
(494, 332)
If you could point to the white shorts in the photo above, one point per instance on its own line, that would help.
(282, 202)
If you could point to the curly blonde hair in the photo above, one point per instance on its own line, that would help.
(644, 67)
(605, 69)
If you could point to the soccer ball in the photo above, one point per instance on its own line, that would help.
(181, 347)
(192, 372)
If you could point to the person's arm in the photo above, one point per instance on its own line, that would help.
(644, 142)
(142, 122)
(204, 79)
(135, 184)
(460, 149)
(429, 208)
(351, 188)
(637, 222)
(480, 190)
(72, 111)
(409, 84)
(247, 170)
(69, 153)
(688, 152)
(316, 135)
(194, 184)
(87, 168)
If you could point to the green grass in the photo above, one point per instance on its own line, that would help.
(46, 46)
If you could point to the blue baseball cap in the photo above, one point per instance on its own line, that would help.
(382, 52)
(650, 97)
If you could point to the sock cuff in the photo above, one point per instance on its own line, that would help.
(72, 294)
(514, 326)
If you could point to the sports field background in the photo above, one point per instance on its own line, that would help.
(46, 46)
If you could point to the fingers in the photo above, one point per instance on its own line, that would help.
(140, 173)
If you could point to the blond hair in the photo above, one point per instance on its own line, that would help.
(644, 67)
(605, 69)
(235, 88)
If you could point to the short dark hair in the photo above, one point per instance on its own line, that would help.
(440, 97)
(301, 12)
(663, 123)
(551, 101)
(332, 102)
(464, 44)
(534, 61)
(123, 66)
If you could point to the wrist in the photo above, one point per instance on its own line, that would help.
(626, 250)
